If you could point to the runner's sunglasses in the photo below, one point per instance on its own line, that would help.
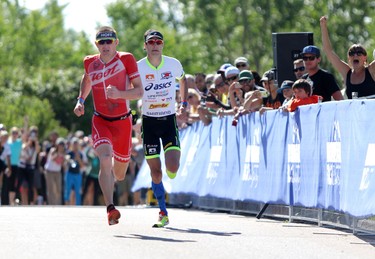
(152, 42)
(102, 42)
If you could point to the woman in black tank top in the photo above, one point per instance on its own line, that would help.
(358, 75)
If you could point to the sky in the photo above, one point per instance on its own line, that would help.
(80, 15)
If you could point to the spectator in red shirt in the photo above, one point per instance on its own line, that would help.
(302, 95)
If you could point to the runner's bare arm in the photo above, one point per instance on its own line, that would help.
(85, 87)
(134, 93)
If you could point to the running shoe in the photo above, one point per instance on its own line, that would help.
(113, 217)
(163, 220)
(171, 175)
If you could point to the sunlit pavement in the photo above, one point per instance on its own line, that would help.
(83, 232)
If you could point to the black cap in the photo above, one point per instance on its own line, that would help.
(154, 34)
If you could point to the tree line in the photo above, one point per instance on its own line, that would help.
(41, 61)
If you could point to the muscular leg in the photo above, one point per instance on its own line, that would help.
(108, 174)
(157, 184)
(155, 167)
(172, 162)
(106, 178)
(119, 170)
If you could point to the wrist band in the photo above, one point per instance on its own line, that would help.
(184, 104)
(81, 100)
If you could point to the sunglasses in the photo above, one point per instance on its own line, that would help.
(232, 78)
(358, 53)
(219, 85)
(241, 65)
(299, 69)
(152, 42)
(102, 42)
(305, 58)
(242, 82)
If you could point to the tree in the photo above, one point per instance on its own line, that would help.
(41, 59)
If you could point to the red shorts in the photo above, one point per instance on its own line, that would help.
(115, 133)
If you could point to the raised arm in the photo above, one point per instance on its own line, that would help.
(371, 67)
(341, 66)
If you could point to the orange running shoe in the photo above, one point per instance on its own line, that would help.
(113, 217)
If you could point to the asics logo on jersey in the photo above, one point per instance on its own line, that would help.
(108, 72)
(158, 86)
(166, 75)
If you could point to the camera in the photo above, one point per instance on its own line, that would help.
(264, 94)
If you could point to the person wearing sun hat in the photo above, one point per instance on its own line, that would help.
(113, 79)
(242, 63)
(254, 94)
(286, 90)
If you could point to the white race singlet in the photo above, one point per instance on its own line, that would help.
(159, 85)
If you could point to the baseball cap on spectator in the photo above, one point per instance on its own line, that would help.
(241, 60)
(154, 34)
(3, 133)
(231, 71)
(285, 85)
(223, 67)
(311, 49)
(268, 76)
(79, 134)
(246, 75)
(60, 141)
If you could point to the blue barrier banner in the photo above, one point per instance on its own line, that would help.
(322, 156)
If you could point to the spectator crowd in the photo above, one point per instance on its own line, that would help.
(64, 170)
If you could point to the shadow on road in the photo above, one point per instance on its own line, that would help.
(198, 231)
(152, 238)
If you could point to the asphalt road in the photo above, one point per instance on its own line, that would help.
(82, 232)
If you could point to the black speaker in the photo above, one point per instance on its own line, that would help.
(286, 48)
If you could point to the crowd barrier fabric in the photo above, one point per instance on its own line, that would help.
(322, 156)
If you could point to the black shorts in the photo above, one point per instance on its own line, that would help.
(156, 128)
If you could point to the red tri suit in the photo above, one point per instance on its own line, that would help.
(105, 128)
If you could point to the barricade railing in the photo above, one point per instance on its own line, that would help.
(319, 157)
(320, 217)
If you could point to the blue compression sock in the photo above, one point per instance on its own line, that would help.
(159, 193)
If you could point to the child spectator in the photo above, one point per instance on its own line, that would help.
(302, 95)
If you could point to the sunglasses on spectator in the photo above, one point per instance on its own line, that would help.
(305, 58)
(102, 42)
(245, 81)
(241, 65)
(299, 69)
(219, 85)
(152, 42)
(358, 53)
(232, 78)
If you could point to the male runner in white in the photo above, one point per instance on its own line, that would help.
(159, 74)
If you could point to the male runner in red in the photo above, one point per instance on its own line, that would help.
(114, 80)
